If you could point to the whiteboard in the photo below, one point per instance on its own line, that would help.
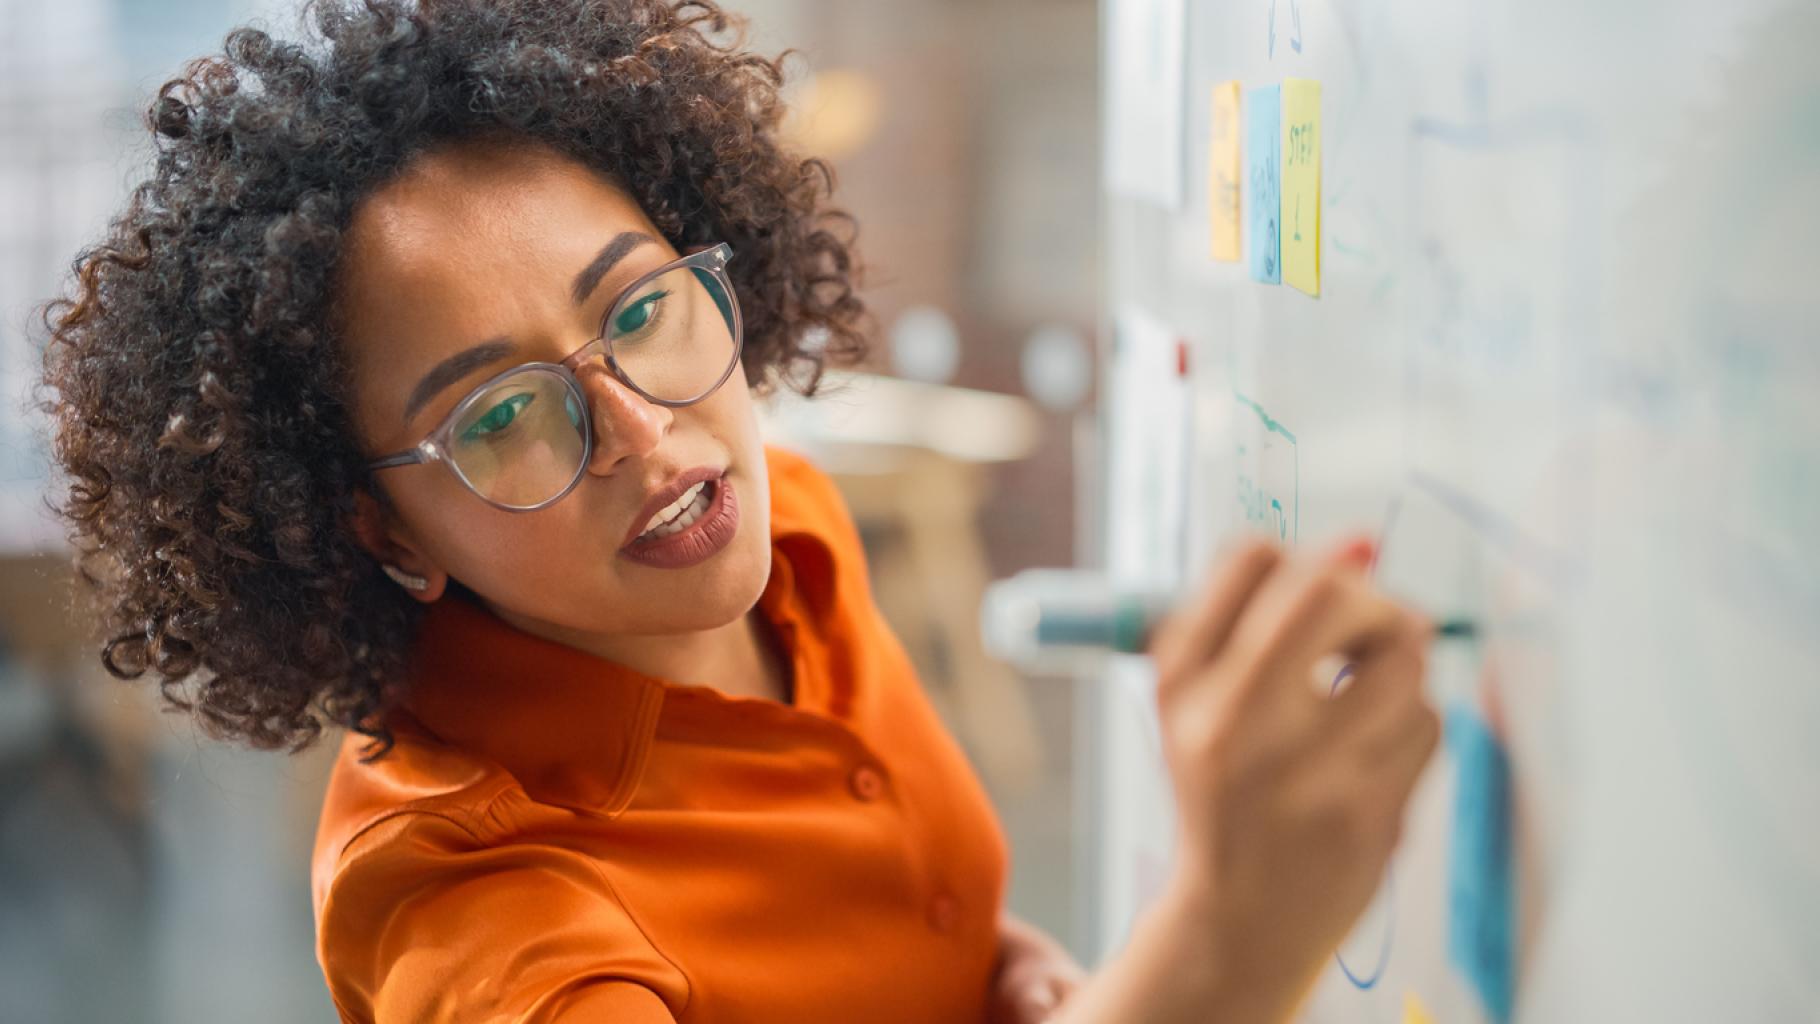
(1565, 359)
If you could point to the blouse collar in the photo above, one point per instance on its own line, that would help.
(575, 729)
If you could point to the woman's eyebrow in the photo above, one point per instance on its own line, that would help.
(468, 360)
(610, 254)
(453, 369)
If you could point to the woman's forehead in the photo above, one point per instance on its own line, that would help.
(471, 212)
(467, 244)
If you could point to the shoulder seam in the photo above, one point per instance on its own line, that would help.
(688, 982)
(418, 808)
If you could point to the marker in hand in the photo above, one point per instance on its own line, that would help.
(1056, 615)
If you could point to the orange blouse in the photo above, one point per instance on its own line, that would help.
(556, 837)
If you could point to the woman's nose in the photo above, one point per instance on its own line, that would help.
(625, 424)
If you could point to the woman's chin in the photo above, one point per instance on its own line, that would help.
(707, 596)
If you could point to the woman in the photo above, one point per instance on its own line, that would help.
(406, 396)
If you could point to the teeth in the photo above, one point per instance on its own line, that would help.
(678, 514)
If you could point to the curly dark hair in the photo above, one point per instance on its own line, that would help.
(197, 397)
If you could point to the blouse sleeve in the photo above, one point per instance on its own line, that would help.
(422, 923)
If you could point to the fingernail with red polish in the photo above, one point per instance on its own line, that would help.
(1360, 551)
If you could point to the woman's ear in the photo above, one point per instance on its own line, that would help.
(376, 533)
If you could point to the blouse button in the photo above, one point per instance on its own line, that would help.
(867, 783)
(944, 912)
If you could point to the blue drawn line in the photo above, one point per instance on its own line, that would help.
(1547, 561)
(1546, 125)
(1390, 522)
(1344, 249)
(1341, 188)
(1295, 454)
(1390, 878)
(1390, 927)
(1774, 590)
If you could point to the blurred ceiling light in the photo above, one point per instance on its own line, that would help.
(1058, 367)
(834, 113)
(925, 345)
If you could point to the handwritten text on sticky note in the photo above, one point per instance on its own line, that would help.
(1262, 140)
(1302, 184)
(1223, 172)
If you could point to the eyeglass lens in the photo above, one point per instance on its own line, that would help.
(523, 441)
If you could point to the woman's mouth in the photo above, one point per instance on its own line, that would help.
(700, 522)
(681, 514)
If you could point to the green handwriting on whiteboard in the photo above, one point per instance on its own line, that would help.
(1259, 498)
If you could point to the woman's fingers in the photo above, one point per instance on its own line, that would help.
(1385, 685)
(1382, 725)
(1288, 802)
(1031, 996)
(1037, 1000)
(1303, 613)
(1194, 633)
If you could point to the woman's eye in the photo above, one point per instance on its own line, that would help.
(639, 314)
(497, 418)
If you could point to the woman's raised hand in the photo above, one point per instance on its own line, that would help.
(1290, 802)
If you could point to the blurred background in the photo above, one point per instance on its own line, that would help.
(149, 874)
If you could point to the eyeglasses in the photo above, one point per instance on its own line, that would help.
(521, 439)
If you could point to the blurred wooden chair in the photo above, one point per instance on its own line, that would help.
(912, 461)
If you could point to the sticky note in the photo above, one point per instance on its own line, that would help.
(1302, 184)
(1263, 138)
(1479, 938)
(1223, 172)
(1413, 1010)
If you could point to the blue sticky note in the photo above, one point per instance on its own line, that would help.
(1479, 936)
(1263, 147)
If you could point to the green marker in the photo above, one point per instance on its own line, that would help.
(1053, 616)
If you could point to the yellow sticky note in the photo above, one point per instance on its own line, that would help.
(1223, 172)
(1301, 217)
(1413, 1010)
